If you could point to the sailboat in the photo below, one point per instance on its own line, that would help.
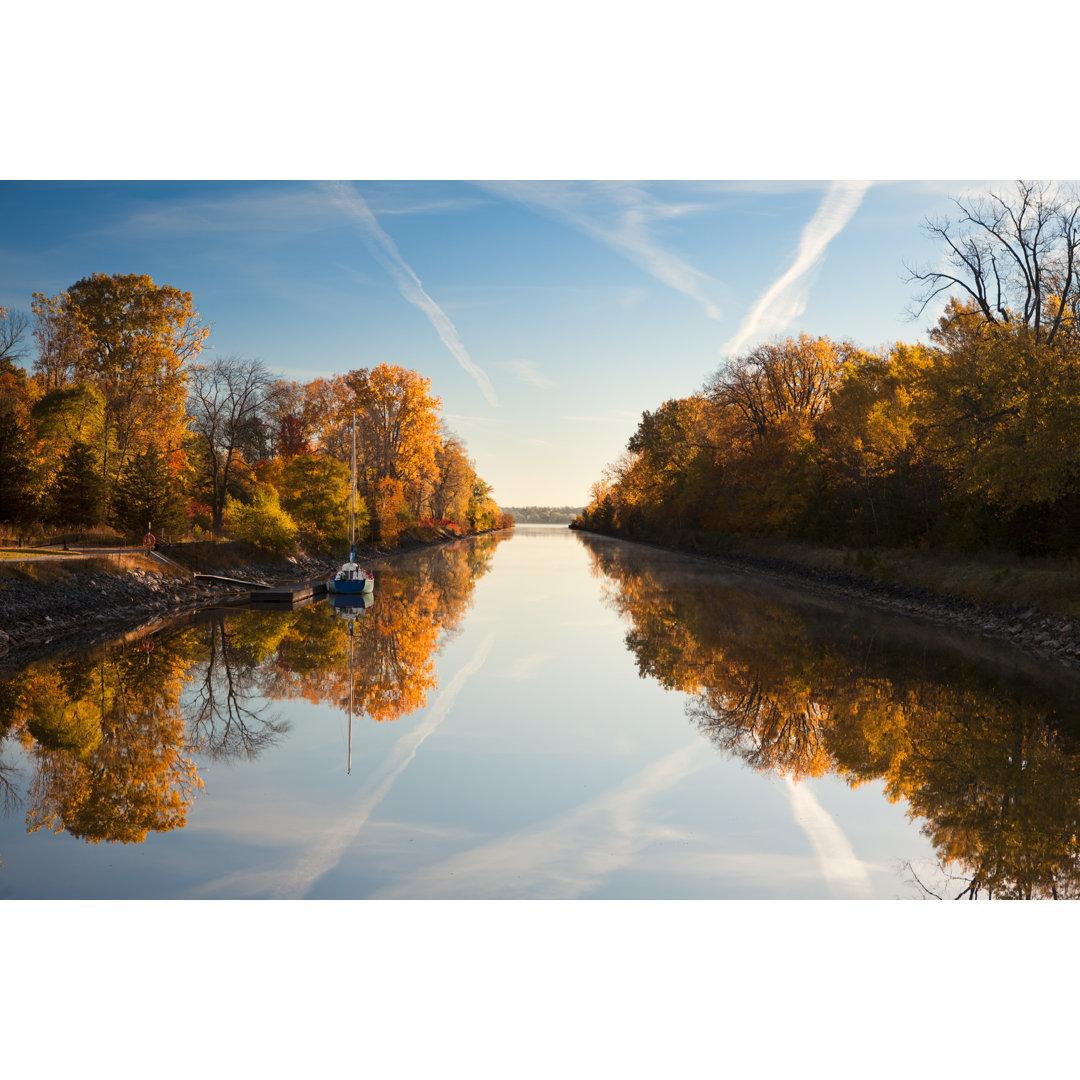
(352, 579)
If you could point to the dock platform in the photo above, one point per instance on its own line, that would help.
(291, 593)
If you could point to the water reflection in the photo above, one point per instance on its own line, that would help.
(110, 740)
(988, 762)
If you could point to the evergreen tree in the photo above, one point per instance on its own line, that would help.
(16, 501)
(77, 497)
(147, 494)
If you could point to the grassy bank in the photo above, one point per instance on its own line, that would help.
(65, 567)
(986, 580)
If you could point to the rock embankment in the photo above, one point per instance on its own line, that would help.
(79, 605)
(1050, 637)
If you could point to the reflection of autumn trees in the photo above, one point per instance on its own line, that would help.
(991, 766)
(106, 737)
(109, 737)
(228, 714)
(393, 642)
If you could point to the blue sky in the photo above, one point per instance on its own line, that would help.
(547, 315)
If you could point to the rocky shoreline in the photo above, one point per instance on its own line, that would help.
(87, 608)
(1048, 637)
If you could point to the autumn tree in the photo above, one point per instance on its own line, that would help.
(315, 492)
(289, 418)
(262, 522)
(453, 490)
(226, 396)
(136, 343)
(397, 425)
(782, 378)
(60, 338)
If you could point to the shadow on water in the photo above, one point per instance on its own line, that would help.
(980, 743)
(106, 745)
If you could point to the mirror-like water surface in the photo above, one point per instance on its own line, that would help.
(542, 715)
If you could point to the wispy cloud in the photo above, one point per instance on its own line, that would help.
(385, 250)
(525, 667)
(474, 421)
(635, 211)
(569, 856)
(845, 873)
(527, 372)
(785, 299)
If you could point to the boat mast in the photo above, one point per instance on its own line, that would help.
(352, 499)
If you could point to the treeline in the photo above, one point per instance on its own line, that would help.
(543, 515)
(970, 442)
(117, 423)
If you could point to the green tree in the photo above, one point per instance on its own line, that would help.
(314, 491)
(76, 495)
(262, 522)
(148, 495)
(16, 499)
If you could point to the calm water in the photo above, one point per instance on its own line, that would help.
(542, 716)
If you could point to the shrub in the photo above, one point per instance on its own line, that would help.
(261, 522)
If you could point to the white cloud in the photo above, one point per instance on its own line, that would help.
(634, 211)
(385, 250)
(785, 299)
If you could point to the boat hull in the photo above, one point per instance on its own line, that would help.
(350, 588)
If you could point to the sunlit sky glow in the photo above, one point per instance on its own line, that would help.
(548, 315)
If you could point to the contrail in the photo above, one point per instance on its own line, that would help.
(785, 299)
(840, 866)
(630, 238)
(295, 882)
(385, 250)
(568, 856)
(338, 838)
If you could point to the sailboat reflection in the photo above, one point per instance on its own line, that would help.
(348, 606)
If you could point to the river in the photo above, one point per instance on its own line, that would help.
(545, 715)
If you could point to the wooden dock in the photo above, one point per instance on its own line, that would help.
(295, 592)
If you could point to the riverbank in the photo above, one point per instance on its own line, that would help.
(87, 599)
(1035, 608)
